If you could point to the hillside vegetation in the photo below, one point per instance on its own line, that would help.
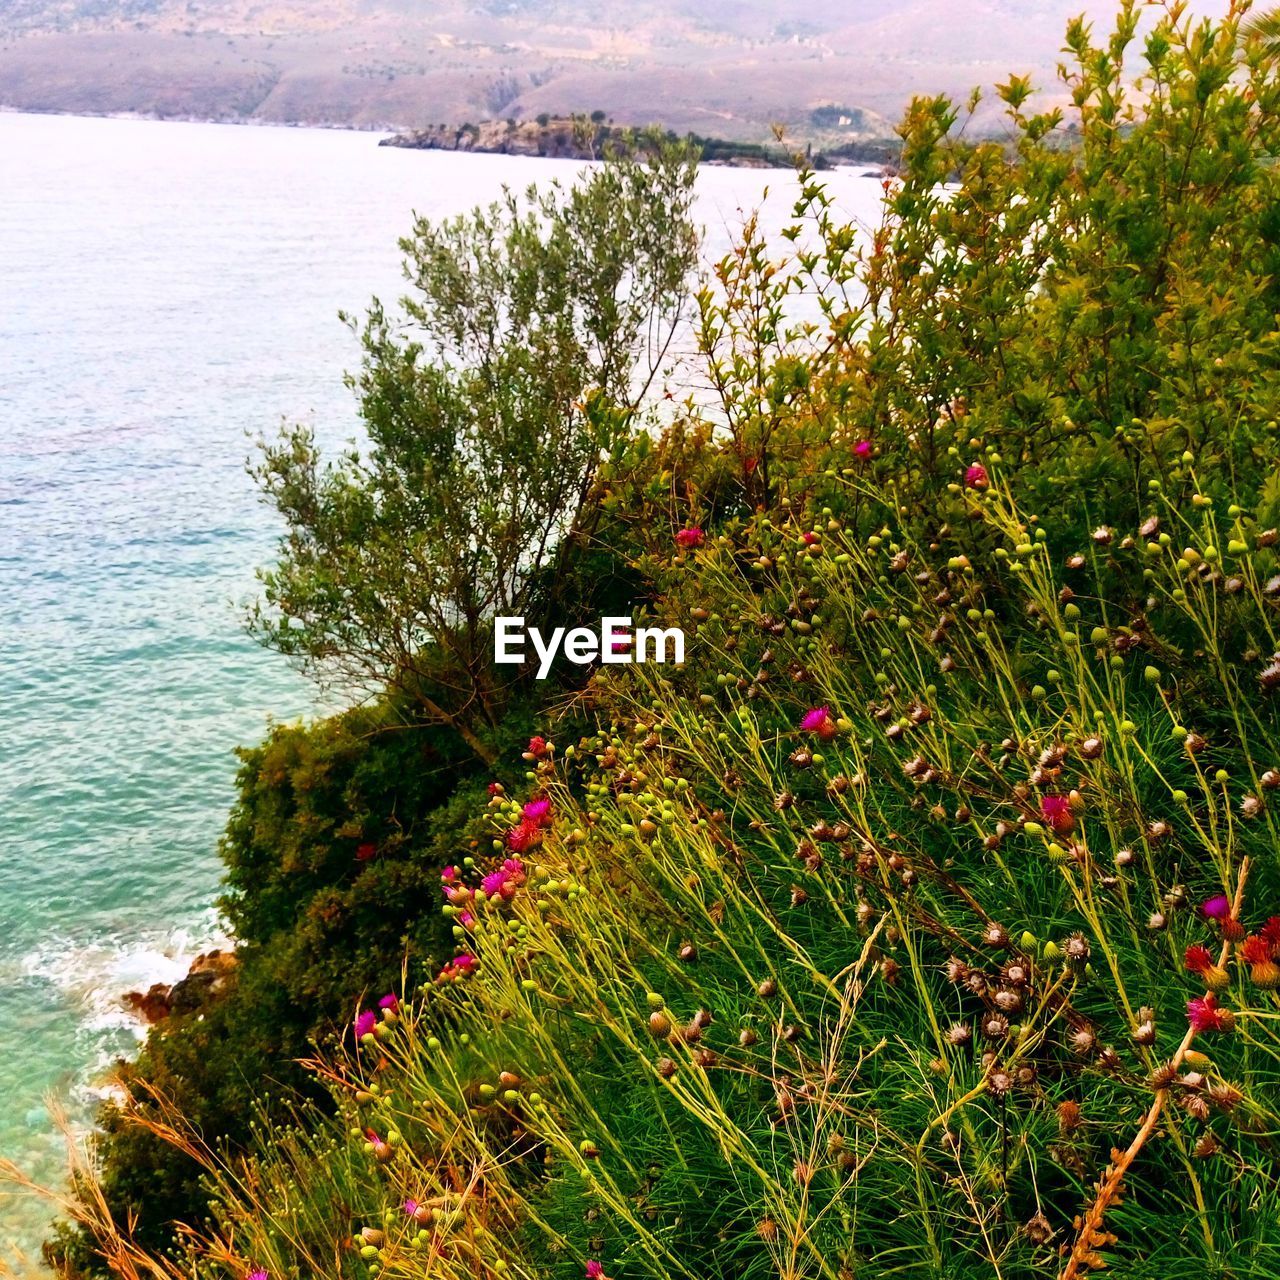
(926, 921)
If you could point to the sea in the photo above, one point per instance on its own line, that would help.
(169, 292)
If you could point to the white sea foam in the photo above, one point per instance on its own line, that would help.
(95, 976)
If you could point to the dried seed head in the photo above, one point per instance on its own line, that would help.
(1084, 1039)
(1164, 1075)
(747, 1037)
(959, 1033)
(666, 1068)
(767, 1230)
(996, 935)
(995, 1026)
(1037, 1229)
(768, 987)
(1206, 1147)
(1009, 1000)
(659, 1025)
(1076, 950)
(1000, 1081)
(1091, 748)
(1124, 858)
(956, 970)
(1068, 1116)
(1145, 1031)
(1156, 921)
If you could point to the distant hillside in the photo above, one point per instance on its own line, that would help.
(834, 71)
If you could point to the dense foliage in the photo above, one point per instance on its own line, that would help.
(927, 920)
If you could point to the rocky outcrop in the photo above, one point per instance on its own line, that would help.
(209, 978)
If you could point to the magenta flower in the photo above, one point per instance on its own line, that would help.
(410, 1207)
(976, 477)
(506, 879)
(862, 449)
(389, 1002)
(819, 721)
(691, 538)
(256, 1274)
(1056, 811)
(595, 1271)
(538, 812)
(1204, 1015)
(365, 1022)
(1218, 907)
(464, 962)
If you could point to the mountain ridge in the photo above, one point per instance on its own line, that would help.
(731, 69)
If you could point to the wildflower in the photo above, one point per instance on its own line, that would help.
(1258, 954)
(365, 1022)
(457, 968)
(365, 851)
(538, 812)
(976, 477)
(410, 1207)
(505, 880)
(495, 789)
(390, 1003)
(1204, 1015)
(1217, 908)
(1056, 811)
(256, 1274)
(1200, 961)
(690, 538)
(523, 835)
(595, 1271)
(819, 721)
(862, 449)
(538, 747)
(1271, 931)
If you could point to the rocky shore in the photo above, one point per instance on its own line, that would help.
(209, 977)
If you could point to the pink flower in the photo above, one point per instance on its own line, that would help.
(819, 721)
(976, 477)
(691, 538)
(537, 746)
(389, 1002)
(466, 919)
(595, 1271)
(520, 837)
(365, 1022)
(1204, 1014)
(495, 789)
(1056, 811)
(505, 880)
(256, 1274)
(862, 449)
(538, 812)
(1218, 907)
(410, 1207)
(464, 962)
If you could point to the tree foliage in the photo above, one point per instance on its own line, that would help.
(532, 334)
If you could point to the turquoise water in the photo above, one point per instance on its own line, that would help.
(166, 292)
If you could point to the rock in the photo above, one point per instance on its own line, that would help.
(208, 978)
(152, 1006)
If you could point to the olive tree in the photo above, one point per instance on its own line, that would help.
(528, 343)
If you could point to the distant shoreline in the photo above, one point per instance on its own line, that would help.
(554, 139)
(588, 137)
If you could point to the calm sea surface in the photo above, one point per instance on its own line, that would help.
(167, 291)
